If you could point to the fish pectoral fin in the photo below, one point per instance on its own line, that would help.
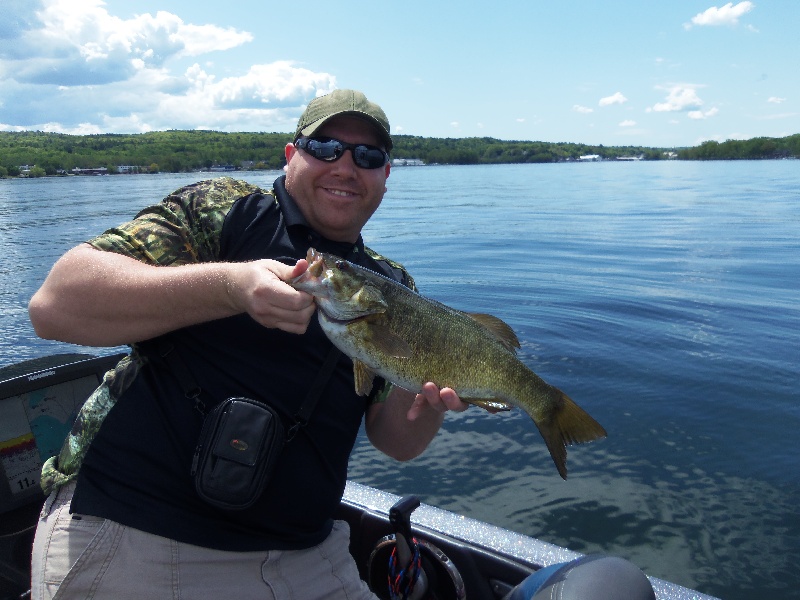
(370, 300)
(492, 405)
(363, 377)
(498, 328)
(388, 342)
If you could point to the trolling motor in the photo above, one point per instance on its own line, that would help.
(404, 567)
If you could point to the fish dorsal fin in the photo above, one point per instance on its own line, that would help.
(363, 377)
(387, 341)
(493, 405)
(498, 328)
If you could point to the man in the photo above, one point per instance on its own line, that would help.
(197, 286)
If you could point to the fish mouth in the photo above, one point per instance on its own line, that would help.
(313, 275)
(340, 318)
(316, 263)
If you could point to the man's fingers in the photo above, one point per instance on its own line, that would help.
(430, 396)
(451, 400)
(299, 268)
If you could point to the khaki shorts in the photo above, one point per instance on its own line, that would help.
(82, 557)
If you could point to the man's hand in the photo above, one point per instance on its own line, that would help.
(259, 288)
(404, 425)
(439, 400)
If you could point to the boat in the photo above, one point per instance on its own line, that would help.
(460, 557)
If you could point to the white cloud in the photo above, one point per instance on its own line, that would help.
(617, 98)
(723, 15)
(776, 100)
(88, 46)
(627, 123)
(275, 85)
(99, 72)
(680, 97)
(699, 114)
(271, 93)
(582, 109)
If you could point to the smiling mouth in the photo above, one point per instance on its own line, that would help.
(340, 193)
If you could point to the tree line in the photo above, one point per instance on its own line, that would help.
(178, 151)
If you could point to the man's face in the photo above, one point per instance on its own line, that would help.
(337, 198)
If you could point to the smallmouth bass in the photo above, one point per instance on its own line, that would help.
(394, 332)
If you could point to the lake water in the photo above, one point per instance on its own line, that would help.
(663, 297)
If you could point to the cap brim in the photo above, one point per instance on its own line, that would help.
(311, 129)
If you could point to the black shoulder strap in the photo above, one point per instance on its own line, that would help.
(303, 414)
(192, 389)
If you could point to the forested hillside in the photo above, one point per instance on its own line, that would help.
(177, 151)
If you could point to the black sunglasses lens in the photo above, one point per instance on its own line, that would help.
(369, 157)
(329, 149)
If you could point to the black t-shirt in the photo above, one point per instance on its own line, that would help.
(137, 469)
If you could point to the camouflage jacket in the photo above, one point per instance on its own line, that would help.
(184, 228)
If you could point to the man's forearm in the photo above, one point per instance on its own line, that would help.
(101, 298)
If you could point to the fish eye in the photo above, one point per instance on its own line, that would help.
(342, 265)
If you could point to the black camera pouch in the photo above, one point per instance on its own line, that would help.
(236, 453)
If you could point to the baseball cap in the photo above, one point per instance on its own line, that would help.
(343, 102)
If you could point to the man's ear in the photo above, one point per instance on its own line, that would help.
(289, 151)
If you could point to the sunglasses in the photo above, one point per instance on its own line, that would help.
(330, 150)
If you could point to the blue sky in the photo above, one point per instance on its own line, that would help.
(615, 72)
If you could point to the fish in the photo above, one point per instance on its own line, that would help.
(391, 331)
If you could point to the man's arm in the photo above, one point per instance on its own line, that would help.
(404, 425)
(99, 298)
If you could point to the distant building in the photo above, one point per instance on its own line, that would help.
(589, 157)
(90, 171)
(407, 162)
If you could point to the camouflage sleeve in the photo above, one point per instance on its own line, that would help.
(62, 468)
(183, 228)
(407, 280)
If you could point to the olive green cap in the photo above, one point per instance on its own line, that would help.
(343, 102)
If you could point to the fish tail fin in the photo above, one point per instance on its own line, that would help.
(568, 424)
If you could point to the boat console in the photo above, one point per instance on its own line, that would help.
(39, 400)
